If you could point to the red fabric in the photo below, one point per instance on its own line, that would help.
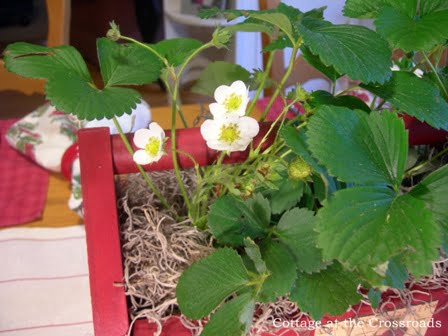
(23, 184)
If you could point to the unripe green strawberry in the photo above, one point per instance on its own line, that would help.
(298, 169)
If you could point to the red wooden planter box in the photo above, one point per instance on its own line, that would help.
(103, 156)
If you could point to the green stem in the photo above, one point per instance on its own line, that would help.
(347, 90)
(420, 166)
(261, 86)
(147, 47)
(140, 168)
(174, 108)
(282, 82)
(436, 74)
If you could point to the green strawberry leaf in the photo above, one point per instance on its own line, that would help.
(331, 291)
(234, 318)
(316, 62)
(231, 220)
(374, 297)
(219, 73)
(35, 61)
(348, 48)
(433, 190)
(209, 281)
(74, 95)
(253, 252)
(296, 230)
(296, 141)
(127, 64)
(369, 225)
(280, 264)
(320, 97)
(409, 33)
(375, 145)
(177, 50)
(362, 9)
(396, 274)
(287, 195)
(414, 96)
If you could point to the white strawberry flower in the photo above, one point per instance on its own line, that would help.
(229, 134)
(230, 100)
(151, 143)
(418, 72)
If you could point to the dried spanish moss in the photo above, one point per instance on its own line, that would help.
(156, 250)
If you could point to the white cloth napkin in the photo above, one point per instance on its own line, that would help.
(44, 282)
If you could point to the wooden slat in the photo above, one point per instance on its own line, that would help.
(110, 313)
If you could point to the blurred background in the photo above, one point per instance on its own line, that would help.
(80, 22)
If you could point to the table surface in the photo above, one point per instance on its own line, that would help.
(57, 213)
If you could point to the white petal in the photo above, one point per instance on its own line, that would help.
(141, 137)
(217, 110)
(239, 87)
(141, 157)
(210, 130)
(218, 145)
(221, 93)
(249, 127)
(395, 67)
(241, 144)
(155, 127)
(419, 73)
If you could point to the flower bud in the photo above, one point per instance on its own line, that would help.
(113, 33)
(299, 169)
(221, 37)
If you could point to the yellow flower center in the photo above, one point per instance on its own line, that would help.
(152, 148)
(229, 133)
(233, 102)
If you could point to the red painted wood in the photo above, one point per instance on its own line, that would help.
(98, 166)
(110, 314)
(421, 133)
(188, 140)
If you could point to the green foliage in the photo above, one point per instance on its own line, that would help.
(410, 32)
(296, 230)
(233, 318)
(253, 252)
(386, 224)
(122, 64)
(176, 50)
(331, 291)
(282, 272)
(348, 49)
(286, 196)
(362, 9)
(70, 87)
(378, 145)
(209, 281)
(34, 61)
(72, 94)
(231, 227)
(414, 96)
(219, 73)
(320, 97)
(317, 63)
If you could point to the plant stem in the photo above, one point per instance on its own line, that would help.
(174, 108)
(436, 74)
(348, 90)
(261, 86)
(420, 166)
(282, 82)
(147, 47)
(140, 168)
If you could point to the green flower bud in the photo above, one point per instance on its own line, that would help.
(299, 169)
(113, 33)
(221, 37)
